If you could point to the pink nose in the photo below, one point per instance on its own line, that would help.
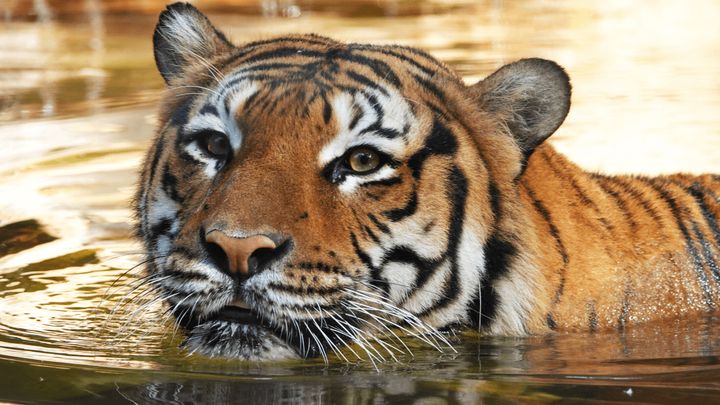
(240, 250)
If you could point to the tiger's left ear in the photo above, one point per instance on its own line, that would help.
(531, 96)
(183, 38)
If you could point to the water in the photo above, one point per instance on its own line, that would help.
(77, 87)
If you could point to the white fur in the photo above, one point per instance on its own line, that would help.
(400, 277)
(425, 297)
(351, 183)
(470, 267)
(162, 207)
(193, 150)
(397, 116)
(183, 35)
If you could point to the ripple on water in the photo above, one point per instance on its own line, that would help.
(77, 85)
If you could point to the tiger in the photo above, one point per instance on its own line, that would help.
(305, 197)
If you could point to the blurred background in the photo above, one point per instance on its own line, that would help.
(645, 73)
(78, 89)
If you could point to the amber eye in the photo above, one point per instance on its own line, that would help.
(217, 145)
(363, 160)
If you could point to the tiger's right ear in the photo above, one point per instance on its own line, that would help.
(184, 37)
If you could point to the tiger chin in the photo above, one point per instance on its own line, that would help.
(305, 196)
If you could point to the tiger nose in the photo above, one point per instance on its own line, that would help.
(249, 255)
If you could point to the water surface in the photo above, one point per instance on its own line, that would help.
(77, 93)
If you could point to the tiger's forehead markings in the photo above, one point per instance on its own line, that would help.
(380, 117)
(217, 112)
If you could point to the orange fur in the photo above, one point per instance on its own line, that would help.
(558, 247)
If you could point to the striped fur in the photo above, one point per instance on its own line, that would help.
(470, 222)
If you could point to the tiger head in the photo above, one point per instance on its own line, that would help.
(305, 195)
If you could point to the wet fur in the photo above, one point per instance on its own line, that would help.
(478, 225)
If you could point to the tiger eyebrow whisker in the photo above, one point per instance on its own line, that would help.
(212, 91)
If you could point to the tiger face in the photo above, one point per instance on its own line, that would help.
(305, 195)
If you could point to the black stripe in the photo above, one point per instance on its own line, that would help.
(494, 200)
(543, 211)
(391, 181)
(499, 255)
(398, 214)
(159, 146)
(622, 320)
(381, 69)
(424, 55)
(639, 197)
(440, 141)
(699, 192)
(249, 102)
(708, 255)
(181, 114)
(689, 244)
(592, 317)
(431, 87)
(253, 46)
(381, 226)
(327, 110)
(273, 66)
(371, 234)
(457, 194)
(551, 322)
(365, 82)
(208, 109)
(389, 52)
(425, 268)
(375, 279)
(566, 174)
(473, 310)
(285, 52)
(161, 227)
(357, 113)
(621, 204)
(169, 184)
(318, 266)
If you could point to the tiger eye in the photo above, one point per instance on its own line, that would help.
(363, 160)
(218, 145)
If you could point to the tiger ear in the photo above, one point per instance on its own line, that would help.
(531, 96)
(185, 37)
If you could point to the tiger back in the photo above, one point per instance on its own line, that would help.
(304, 195)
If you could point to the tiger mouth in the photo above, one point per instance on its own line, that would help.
(237, 312)
(235, 331)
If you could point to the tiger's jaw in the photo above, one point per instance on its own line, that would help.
(236, 332)
(256, 319)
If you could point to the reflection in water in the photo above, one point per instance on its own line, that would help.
(73, 326)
